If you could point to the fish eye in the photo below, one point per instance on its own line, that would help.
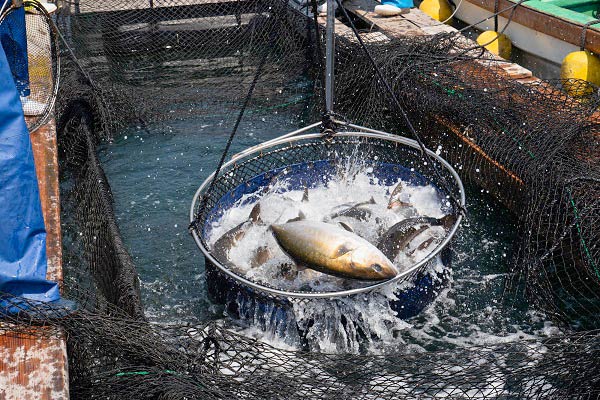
(376, 267)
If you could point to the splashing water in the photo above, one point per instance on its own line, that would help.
(366, 322)
(324, 201)
(154, 173)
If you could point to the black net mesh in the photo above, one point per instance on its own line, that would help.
(534, 148)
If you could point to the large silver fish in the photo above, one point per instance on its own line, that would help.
(333, 250)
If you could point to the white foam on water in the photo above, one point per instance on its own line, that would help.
(354, 324)
(278, 207)
(367, 323)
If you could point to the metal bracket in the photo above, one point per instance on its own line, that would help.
(328, 126)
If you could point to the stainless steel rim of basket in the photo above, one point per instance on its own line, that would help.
(299, 135)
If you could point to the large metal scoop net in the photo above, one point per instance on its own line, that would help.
(309, 158)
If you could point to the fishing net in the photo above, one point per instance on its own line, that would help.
(529, 145)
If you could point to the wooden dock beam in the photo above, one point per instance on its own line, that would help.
(34, 366)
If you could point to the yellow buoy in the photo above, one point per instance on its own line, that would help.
(580, 65)
(499, 45)
(437, 9)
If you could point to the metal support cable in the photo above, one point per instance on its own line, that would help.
(235, 126)
(401, 110)
(315, 12)
(330, 57)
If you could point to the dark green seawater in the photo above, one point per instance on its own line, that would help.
(154, 172)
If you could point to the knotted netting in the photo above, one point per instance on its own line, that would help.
(529, 145)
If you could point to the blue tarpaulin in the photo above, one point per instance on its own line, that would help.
(23, 263)
(13, 39)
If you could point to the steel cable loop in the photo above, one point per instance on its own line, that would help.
(456, 8)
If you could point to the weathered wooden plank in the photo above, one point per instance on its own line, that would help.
(396, 26)
(45, 151)
(435, 29)
(392, 26)
(34, 366)
(344, 31)
(420, 19)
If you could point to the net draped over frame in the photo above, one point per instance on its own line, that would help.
(531, 146)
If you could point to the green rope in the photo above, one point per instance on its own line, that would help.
(451, 92)
(514, 139)
(585, 248)
(132, 373)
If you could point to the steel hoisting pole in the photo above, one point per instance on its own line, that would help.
(329, 56)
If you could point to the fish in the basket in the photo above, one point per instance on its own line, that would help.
(398, 237)
(333, 250)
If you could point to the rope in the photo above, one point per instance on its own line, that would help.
(413, 131)
(456, 7)
(234, 130)
(496, 5)
(584, 32)
(512, 7)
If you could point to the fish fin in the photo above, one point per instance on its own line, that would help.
(238, 235)
(305, 194)
(423, 245)
(372, 200)
(346, 226)
(448, 221)
(397, 189)
(255, 214)
(394, 201)
(341, 250)
(300, 217)
(300, 267)
(261, 255)
(398, 203)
